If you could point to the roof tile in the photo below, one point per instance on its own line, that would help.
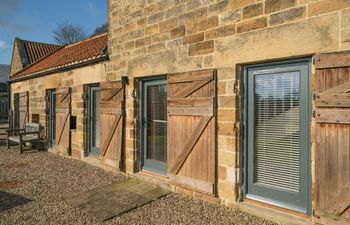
(86, 50)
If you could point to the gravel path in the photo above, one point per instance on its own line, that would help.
(33, 186)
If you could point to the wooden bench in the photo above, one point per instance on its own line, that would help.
(30, 133)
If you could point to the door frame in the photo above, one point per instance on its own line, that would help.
(16, 110)
(90, 89)
(142, 140)
(308, 130)
(52, 129)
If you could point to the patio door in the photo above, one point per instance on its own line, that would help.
(154, 125)
(277, 135)
(52, 116)
(94, 120)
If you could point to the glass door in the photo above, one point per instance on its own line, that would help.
(94, 120)
(52, 116)
(154, 125)
(278, 144)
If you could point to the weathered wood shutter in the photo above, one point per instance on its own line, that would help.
(63, 113)
(332, 113)
(23, 109)
(111, 122)
(191, 130)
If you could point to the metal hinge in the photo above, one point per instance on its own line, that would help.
(84, 96)
(314, 114)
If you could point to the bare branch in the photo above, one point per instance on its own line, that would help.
(68, 33)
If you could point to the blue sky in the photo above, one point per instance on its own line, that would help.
(36, 19)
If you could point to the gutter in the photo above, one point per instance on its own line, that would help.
(63, 69)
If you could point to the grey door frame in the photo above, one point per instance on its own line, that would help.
(149, 165)
(93, 151)
(305, 177)
(52, 115)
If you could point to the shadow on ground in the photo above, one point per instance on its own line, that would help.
(9, 201)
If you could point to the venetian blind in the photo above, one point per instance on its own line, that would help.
(277, 145)
(157, 123)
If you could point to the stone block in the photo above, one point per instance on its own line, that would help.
(345, 18)
(276, 5)
(227, 191)
(287, 16)
(226, 128)
(156, 18)
(153, 29)
(230, 17)
(253, 10)
(208, 23)
(227, 114)
(325, 6)
(194, 38)
(220, 32)
(345, 39)
(167, 25)
(252, 24)
(222, 172)
(175, 11)
(201, 48)
(143, 42)
(193, 5)
(178, 32)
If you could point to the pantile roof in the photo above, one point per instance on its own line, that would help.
(36, 50)
(69, 55)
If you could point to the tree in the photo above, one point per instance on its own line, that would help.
(101, 29)
(67, 33)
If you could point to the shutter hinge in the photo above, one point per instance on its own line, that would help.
(84, 96)
(125, 80)
(314, 114)
(313, 60)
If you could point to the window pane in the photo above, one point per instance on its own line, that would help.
(157, 122)
(277, 147)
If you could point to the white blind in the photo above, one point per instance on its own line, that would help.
(277, 98)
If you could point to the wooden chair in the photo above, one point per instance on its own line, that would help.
(30, 133)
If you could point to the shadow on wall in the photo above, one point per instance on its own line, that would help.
(9, 201)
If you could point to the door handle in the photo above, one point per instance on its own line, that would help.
(144, 122)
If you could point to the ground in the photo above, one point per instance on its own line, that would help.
(33, 187)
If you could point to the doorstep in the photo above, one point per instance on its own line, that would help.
(95, 161)
(147, 176)
(275, 214)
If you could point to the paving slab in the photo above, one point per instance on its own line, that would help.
(112, 200)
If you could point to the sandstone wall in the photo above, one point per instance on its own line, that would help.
(152, 37)
(75, 79)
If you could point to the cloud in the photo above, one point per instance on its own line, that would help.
(2, 44)
(92, 9)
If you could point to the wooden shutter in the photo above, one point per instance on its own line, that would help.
(63, 113)
(191, 130)
(23, 109)
(111, 122)
(332, 101)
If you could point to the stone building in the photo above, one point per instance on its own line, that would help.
(239, 102)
